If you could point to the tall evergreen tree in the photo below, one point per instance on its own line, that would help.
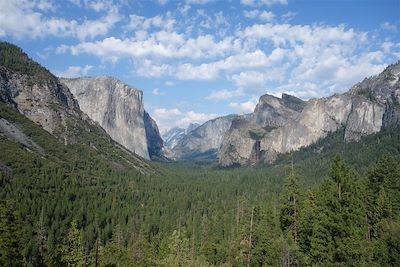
(72, 249)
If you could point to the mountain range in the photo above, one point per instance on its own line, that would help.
(65, 107)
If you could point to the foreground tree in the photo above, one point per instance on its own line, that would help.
(72, 249)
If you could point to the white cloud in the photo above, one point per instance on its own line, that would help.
(96, 5)
(387, 47)
(251, 14)
(254, 82)
(223, 94)
(251, 80)
(23, 19)
(142, 23)
(169, 118)
(46, 5)
(74, 71)
(288, 16)
(263, 2)
(202, 72)
(389, 26)
(147, 69)
(267, 16)
(160, 44)
(157, 92)
(245, 107)
(193, 117)
(255, 13)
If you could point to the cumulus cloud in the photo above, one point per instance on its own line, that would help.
(255, 13)
(142, 23)
(278, 57)
(74, 71)
(245, 107)
(25, 19)
(160, 44)
(288, 16)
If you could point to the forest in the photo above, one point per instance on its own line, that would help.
(331, 204)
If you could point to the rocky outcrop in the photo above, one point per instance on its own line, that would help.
(118, 108)
(12, 132)
(287, 124)
(204, 141)
(46, 102)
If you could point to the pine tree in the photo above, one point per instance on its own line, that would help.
(72, 249)
(290, 218)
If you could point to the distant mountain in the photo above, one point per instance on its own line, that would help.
(282, 125)
(201, 143)
(119, 109)
(172, 136)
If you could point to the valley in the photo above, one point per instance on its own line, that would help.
(78, 187)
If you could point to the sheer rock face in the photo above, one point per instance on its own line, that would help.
(287, 124)
(48, 103)
(118, 108)
(154, 140)
(204, 141)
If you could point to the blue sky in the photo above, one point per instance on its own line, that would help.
(198, 59)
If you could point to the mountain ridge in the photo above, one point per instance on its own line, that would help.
(367, 107)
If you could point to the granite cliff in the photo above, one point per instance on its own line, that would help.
(287, 124)
(119, 109)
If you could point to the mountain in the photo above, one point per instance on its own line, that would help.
(282, 125)
(201, 143)
(28, 89)
(119, 109)
(172, 136)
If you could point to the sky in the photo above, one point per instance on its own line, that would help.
(195, 60)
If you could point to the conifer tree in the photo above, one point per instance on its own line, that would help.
(10, 236)
(72, 249)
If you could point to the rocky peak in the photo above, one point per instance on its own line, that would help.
(272, 111)
(293, 102)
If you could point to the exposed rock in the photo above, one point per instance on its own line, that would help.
(12, 132)
(154, 141)
(204, 141)
(118, 108)
(287, 124)
(47, 102)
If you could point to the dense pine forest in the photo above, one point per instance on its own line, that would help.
(331, 204)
